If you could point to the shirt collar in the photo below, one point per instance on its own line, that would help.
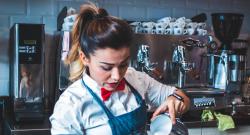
(92, 84)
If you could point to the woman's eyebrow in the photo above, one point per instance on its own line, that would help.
(111, 64)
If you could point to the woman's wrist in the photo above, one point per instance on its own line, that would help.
(177, 96)
(186, 99)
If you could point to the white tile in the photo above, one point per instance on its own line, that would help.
(204, 4)
(112, 9)
(50, 23)
(5, 21)
(40, 7)
(132, 13)
(173, 3)
(4, 87)
(148, 3)
(186, 12)
(157, 13)
(25, 19)
(221, 5)
(13, 7)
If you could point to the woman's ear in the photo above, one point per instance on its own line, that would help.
(83, 58)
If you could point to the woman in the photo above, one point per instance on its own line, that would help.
(108, 97)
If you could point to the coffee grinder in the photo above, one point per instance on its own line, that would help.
(223, 62)
(27, 71)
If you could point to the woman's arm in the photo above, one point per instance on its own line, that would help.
(175, 105)
(64, 119)
(153, 91)
(157, 94)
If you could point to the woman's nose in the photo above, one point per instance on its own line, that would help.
(115, 74)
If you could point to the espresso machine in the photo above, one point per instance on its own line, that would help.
(27, 71)
(224, 64)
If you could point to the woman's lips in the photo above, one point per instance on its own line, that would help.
(112, 85)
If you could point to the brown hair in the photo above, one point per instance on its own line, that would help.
(95, 29)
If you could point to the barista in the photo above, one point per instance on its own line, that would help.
(108, 97)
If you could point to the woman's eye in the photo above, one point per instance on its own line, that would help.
(106, 68)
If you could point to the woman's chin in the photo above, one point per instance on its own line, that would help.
(110, 89)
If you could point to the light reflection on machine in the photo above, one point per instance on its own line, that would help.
(144, 64)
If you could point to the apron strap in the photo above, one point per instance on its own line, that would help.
(136, 93)
(110, 115)
(138, 98)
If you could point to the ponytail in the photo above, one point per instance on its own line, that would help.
(76, 66)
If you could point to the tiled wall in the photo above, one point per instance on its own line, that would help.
(46, 11)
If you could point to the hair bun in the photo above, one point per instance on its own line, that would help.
(101, 13)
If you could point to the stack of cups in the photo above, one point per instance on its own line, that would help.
(170, 26)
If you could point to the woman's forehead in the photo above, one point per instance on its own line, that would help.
(109, 54)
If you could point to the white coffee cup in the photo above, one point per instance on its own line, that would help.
(148, 24)
(169, 31)
(160, 30)
(161, 25)
(170, 25)
(161, 125)
(190, 31)
(202, 25)
(136, 26)
(192, 25)
(153, 31)
(179, 24)
(180, 31)
(164, 20)
(148, 30)
(188, 21)
(201, 32)
(180, 19)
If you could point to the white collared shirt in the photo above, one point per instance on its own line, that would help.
(76, 111)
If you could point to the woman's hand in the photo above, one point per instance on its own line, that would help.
(173, 106)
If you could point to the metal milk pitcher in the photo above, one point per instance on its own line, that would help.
(218, 70)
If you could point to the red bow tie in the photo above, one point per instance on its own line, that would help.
(106, 94)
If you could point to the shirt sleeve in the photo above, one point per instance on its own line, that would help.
(153, 91)
(64, 119)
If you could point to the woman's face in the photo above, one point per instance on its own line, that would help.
(108, 66)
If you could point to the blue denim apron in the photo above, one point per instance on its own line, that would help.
(133, 122)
